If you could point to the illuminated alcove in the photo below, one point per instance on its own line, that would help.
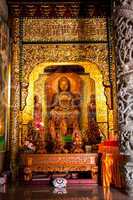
(38, 77)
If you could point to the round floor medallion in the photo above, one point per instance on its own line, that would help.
(59, 182)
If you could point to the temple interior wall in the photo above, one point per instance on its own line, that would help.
(41, 47)
(40, 42)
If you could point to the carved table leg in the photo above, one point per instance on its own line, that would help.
(28, 170)
(94, 173)
(27, 174)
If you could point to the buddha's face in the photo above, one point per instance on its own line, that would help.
(64, 85)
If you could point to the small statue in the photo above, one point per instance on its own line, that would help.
(37, 113)
(40, 145)
(77, 141)
(94, 131)
(38, 126)
(92, 108)
(59, 145)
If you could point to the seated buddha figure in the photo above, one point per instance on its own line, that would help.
(64, 111)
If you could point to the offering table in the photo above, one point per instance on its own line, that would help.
(59, 163)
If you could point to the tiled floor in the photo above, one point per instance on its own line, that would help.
(92, 192)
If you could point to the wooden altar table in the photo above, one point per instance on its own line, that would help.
(59, 163)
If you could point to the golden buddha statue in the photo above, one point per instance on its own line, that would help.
(64, 111)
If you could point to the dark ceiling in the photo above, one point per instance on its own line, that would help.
(105, 2)
(59, 8)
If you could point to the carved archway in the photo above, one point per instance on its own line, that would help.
(37, 74)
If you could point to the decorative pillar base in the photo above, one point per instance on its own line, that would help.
(128, 173)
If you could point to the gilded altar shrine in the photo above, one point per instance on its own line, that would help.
(70, 111)
(61, 86)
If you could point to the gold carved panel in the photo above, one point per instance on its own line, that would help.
(60, 162)
(40, 53)
(15, 96)
(65, 29)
